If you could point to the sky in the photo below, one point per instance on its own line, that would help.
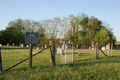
(105, 10)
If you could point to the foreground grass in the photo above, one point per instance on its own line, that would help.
(85, 66)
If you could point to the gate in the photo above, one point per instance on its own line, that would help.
(64, 53)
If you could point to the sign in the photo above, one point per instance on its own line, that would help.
(31, 38)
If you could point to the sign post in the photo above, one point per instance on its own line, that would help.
(31, 38)
(30, 56)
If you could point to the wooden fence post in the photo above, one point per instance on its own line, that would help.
(0, 60)
(111, 48)
(108, 49)
(52, 53)
(30, 56)
(96, 50)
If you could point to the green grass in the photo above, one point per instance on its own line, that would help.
(85, 67)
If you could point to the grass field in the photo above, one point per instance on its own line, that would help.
(85, 67)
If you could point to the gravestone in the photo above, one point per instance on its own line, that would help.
(64, 46)
(42, 46)
(0, 44)
(45, 46)
(77, 46)
(27, 46)
(103, 48)
(60, 51)
(89, 47)
(37, 48)
(13, 44)
(106, 46)
(92, 46)
(7, 44)
(22, 45)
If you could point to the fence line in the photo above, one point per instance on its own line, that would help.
(102, 51)
(27, 58)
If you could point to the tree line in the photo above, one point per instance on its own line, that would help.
(79, 29)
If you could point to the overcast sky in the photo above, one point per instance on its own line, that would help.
(105, 10)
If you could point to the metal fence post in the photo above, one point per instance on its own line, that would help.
(0, 60)
(108, 49)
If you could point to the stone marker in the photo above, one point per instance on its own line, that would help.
(13, 44)
(37, 48)
(7, 44)
(0, 44)
(106, 46)
(22, 45)
(60, 51)
(45, 46)
(89, 47)
(27, 46)
(64, 46)
(103, 48)
(77, 46)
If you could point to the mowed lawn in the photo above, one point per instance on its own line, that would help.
(85, 67)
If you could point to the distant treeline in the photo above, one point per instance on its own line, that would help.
(78, 29)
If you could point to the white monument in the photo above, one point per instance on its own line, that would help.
(103, 48)
(60, 51)
(7, 44)
(45, 46)
(0, 45)
(77, 46)
(37, 48)
(22, 45)
(13, 44)
(26, 45)
(106, 46)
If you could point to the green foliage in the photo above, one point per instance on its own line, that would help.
(11, 35)
(78, 29)
(90, 29)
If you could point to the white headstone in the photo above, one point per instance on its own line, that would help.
(63, 46)
(89, 47)
(45, 46)
(77, 46)
(0, 45)
(103, 48)
(60, 51)
(26, 45)
(22, 45)
(37, 48)
(13, 44)
(7, 44)
(106, 46)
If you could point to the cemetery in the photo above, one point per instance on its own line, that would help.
(66, 47)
